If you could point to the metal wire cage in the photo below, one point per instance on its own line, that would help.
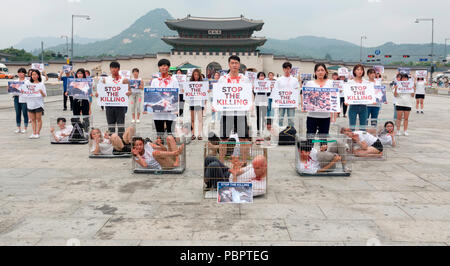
(154, 154)
(365, 145)
(70, 130)
(323, 155)
(385, 130)
(113, 141)
(237, 162)
(274, 132)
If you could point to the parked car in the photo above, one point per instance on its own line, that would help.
(4, 74)
(52, 75)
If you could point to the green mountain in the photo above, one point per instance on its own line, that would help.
(144, 37)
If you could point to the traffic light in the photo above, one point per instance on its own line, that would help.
(371, 56)
(406, 56)
(388, 56)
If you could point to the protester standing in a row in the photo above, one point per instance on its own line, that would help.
(35, 105)
(420, 94)
(20, 105)
(64, 77)
(261, 103)
(358, 110)
(287, 82)
(196, 108)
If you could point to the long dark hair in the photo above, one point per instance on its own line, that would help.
(316, 67)
(199, 75)
(82, 71)
(37, 72)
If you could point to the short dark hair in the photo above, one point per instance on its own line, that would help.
(234, 57)
(61, 119)
(261, 73)
(37, 72)
(388, 122)
(268, 74)
(22, 70)
(287, 65)
(371, 71)
(356, 67)
(305, 145)
(163, 62)
(335, 74)
(135, 70)
(316, 67)
(82, 71)
(114, 65)
(136, 139)
(88, 73)
(405, 76)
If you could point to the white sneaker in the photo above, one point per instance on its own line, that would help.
(138, 121)
(406, 133)
(32, 136)
(17, 131)
(37, 136)
(133, 121)
(23, 131)
(398, 133)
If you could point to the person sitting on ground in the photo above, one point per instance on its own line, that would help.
(370, 146)
(256, 173)
(64, 132)
(313, 161)
(110, 144)
(156, 155)
(387, 135)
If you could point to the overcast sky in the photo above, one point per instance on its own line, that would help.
(380, 20)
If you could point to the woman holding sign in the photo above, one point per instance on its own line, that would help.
(420, 94)
(261, 101)
(196, 107)
(373, 110)
(20, 105)
(403, 92)
(319, 122)
(81, 103)
(358, 110)
(35, 92)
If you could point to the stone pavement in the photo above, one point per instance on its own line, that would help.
(50, 194)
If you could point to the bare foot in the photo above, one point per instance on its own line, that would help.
(177, 160)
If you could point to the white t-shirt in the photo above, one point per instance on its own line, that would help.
(240, 79)
(311, 166)
(21, 98)
(110, 79)
(249, 176)
(66, 131)
(366, 137)
(106, 148)
(313, 84)
(286, 82)
(385, 139)
(168, 82)
(34, 103)
(420, 87)
(149, 159)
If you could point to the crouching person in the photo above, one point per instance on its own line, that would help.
(313, 161)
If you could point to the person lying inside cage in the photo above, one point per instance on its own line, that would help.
(255, 173)
(63, 133)
(313, 161)
(156, 156)
(108, 144)
(369, 145)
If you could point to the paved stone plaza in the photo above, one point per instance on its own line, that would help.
(50, 194)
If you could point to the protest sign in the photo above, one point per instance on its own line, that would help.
(343, 72)
(80, 88)
(196, 91)
(112, 95)
(251, 76)
(404, 70)
(134, 85)
(14, 87)
(37, 66)
(422, 74)
(223, 72)
(31, 90)
(295, 71)
(405, 86)
(379, 69)
(232, 97)
(161, 100)
(262, 86)
(322, 100)
(182, 79)
(67, 68)
(285, 97)
(306, 77)
(126, 74)
(339, 84)
(359, 94)
(380, 94)
(234, 192)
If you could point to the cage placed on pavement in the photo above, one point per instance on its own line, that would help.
(277, 133)
(237, 162)
(323, 155)
(70, 130)
(365, 146)
(385, 130)
(113, 141)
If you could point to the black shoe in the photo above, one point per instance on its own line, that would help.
(65, 109)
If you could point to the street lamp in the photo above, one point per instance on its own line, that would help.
(360, 50)
(445, 56)
(76, 16)
(432, 41)
(67, 44)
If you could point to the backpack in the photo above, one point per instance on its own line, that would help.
(287, 137)
(77, 131)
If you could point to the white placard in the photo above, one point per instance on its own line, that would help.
(196, 91)
(359, 94)
(31, 90)
(38, 66)
(422, 74)
(343, 72)
(286, 98)
(295, 71)
(262, 86)
(405, 86)
(232, 97)
(379, 69)
(126, 74)
(251, 76)
(112, 95)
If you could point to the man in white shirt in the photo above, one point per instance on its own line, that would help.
(234, 121)
(287, 82)
(256, 173)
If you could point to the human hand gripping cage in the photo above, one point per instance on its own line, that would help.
(159, 154)
(234, 161)
(323, 155)
(70, 130)
(111, 141)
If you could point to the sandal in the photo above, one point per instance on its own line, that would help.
(200, 138)
(193, 137)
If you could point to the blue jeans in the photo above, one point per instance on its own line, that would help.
(358, 110)
(270, 109)
(290, 112)
(21, 108)
(395, 112)
(372, 114)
